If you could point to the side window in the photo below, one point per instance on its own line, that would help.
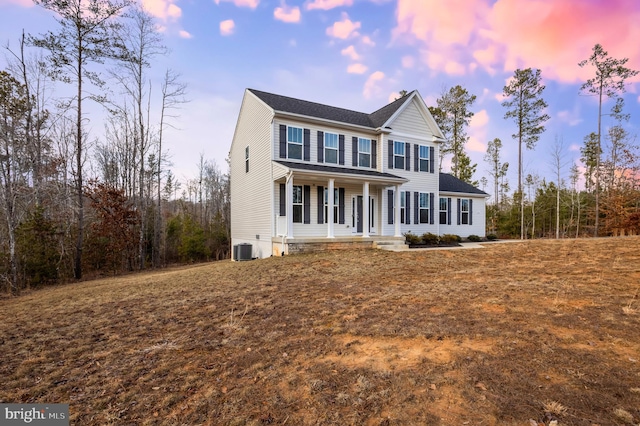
(294, 143)
(444, 211)
(398, 155)
(424, 207)
(464, 211)
(424, 158)
(246, 159)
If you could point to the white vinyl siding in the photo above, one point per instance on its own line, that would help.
(412, 122)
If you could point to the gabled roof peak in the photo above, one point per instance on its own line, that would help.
(287, 104)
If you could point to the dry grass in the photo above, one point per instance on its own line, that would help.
(499, 335)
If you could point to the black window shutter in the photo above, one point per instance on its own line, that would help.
(407, 208)
(374, 153)
(283, 141)
(307, 145)
(448, 211)
(341, 208)
(431, 214)
(432, 161)
(354, 151)
(320, 146)
(390, 154)
(416, 209)
(470, 212)
(416, 160)
(307, 204)
(390, 196)
(283, 199)
(341, 149)
(407, 151)
(459, 214)
(320, 204)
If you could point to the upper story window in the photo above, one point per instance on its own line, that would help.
(464, 211)
(424, 158)
(331, 148)
(364, 152)
(246, 159)
(294, 143)
(444, 211)
(398, 155)
(424, 207)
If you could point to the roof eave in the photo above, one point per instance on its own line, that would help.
(341, 124)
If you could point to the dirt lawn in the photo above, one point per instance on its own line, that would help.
(513, 334)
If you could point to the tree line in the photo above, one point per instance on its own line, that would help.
(73, 204)
(609, 201)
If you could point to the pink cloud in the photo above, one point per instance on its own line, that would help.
(344, 29)
(185, 34)
(503, 35)
(351, 53)
(327, 4)
(371, 86)
(357, 69)
(23, 3)
(165, 10)
(479, 119)
(478, 131)
(252, 4)
(227, 27)
(287, 13)
(408, 61)
(367, 40)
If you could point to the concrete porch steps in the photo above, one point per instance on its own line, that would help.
(391, 245)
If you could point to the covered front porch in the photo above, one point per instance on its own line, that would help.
(323, 207)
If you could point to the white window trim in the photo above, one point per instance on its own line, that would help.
(301, 143)
(364, 152)
(301, 204)
(420, 158)
(331, 148)
(446, 210)
(464, 212)
(403, 156)
(420, 208)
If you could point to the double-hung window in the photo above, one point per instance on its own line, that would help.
(331, 148)
(464, 211)
(424, 207)
(336, 205)
(402, 206)
(298, 208)
(364, 152)
(424, 158)
(398, 155)
(294, 143)
(444, 211)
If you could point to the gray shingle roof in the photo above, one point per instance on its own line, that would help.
(334, 169)
(342, 115)
(450, 183)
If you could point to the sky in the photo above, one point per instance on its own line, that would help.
(358, 54)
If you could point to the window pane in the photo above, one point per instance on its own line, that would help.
(443, 218)
(424, 165)
(331, 140)
(424, 200)
(295, 151)
(294, 134)
(331, 156)
(297, 213)
(363, 160)
(444, 204)
(364, 145)
(424, 152)
(398, 162)
(398, 148)
(424, 216)
(402, 196)
(297, 194)
(465, 205)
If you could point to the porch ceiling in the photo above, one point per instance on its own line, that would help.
(343, 174)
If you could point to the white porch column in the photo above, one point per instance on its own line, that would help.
(397, 214)
(330, 205)
(365, 209)
(289, 209)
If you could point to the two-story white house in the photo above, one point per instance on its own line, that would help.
(307, 176)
